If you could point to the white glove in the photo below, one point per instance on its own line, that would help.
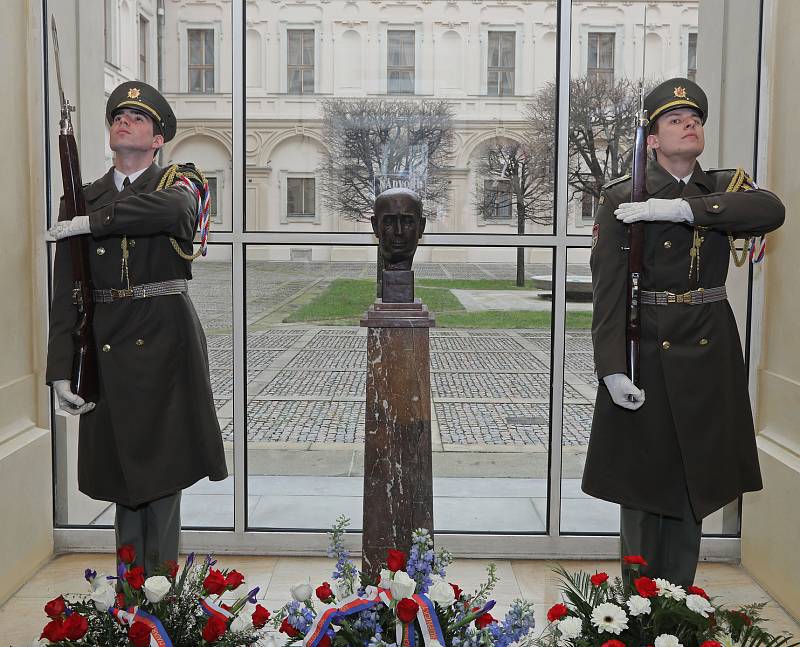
(656, 210)
(65, 228)
(624, 392)
(68, 401)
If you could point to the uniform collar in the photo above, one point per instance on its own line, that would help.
(119, 177)
(104, 190)
(658, 178)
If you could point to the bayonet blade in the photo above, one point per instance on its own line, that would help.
(58, 62)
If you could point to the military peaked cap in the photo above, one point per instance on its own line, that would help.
(673, 94)
(145, 99)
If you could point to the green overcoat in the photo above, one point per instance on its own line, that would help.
(154, 430)
(695, 429)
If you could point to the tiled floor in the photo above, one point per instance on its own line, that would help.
(22, 617)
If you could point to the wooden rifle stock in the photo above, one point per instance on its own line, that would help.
(636, 252)
(84, 379)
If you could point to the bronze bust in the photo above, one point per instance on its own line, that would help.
(399, 224)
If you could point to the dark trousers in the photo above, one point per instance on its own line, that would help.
(670, 546)
(153, 529)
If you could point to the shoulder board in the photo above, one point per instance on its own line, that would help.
(721, 170)
(619, 180)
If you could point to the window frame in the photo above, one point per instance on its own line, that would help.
(498, 69)
(183, 49)
(401, 68)
(302, 67)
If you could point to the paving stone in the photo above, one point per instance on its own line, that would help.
(329, 360)
(495, 362)
(534, 386)
(475, 343)
(335, 384)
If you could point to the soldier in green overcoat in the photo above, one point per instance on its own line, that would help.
(682, 445)
(153, 430)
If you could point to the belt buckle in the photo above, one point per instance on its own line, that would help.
(674, 298)
(125, 293)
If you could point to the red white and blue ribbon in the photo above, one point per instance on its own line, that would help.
(158, 635)
(203, 208)
(758, 256)
(214, 610)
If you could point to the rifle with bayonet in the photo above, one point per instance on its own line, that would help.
(84, 377)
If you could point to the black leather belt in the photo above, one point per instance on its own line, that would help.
(144, 291)
(692, 298)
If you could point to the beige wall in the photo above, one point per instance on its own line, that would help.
(772, 517)
(26, 539)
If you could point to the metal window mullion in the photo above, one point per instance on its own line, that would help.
(238, 278)
(560, 273)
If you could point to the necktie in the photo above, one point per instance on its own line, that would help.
(126, 183)
(681, 186)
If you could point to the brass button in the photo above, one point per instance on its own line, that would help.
(132, 243)
(715, 206)
(106, 348)
(140, 342)
(101, 251)
(667, 244)
(665, 345)
(703, 342)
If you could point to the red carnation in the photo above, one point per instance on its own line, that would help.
(710, 643)
(287, 629)
(135, 577)
(172, 568)
(139, 634)
(56, 608)
(457, 591)
(214, 584)
(696, 590)
(407, 610)
(598, 579)
(233, 580)
(396, 560)
(127, 554)
(54, 631)
(214, 629)
(556, 612)
(75, 626)
(260, 616)
(484, 621)
(324, 592)
(634, 560)
(646, 587)
(613, 643)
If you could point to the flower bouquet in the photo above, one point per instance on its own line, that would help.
(169, 609)
(411, 604)
(647, 612)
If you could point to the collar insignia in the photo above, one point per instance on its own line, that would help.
(680, 92)
(134, 93)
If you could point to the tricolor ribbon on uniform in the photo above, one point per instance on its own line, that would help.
(158, 635)
(203, 209)
(426, 617)
(758, 256)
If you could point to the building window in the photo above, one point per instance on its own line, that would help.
(143, 27)
(500, 77)
(201, 60)
(497, 199)
(300, 197)
(300, 58)
(107, 30)
(600, 63)
(400, 62)
(212, 206)
(691, 71)
(588, 204)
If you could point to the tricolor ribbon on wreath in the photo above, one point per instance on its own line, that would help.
(158, 635)
(213, 610)
(426, 617)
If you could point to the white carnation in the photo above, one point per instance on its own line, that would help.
(638, 605)
(103, 597)
(609, 617)
(699, 604)
(670, 590)
(570, 627)
(386, 578)
(442, 593)
(402, 586)
(667, 640)
(156, 587)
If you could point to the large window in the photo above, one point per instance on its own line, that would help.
(500, 73)
(300, 61)
(201, 60)
(600, 64)
(300, 197)
(400, 62)
(497, 199)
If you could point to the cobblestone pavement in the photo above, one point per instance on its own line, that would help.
(306, 384)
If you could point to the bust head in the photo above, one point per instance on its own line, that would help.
(399, 224)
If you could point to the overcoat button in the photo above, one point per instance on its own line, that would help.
(665, 345)
(101, 251)
(140, 342)
(106, 348)
(667, 244)
(703, 342)
(132, 243)
(715, 206)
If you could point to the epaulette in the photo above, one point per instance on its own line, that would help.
(185, 169)
(721, 170)
(617, 181)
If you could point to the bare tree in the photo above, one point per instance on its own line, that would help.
(602, 120)
(506, 188)
(373, 144)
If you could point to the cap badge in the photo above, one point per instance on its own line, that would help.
(134, 93)
(680, 92)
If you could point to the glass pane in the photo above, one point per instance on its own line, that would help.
(309, 187)
(308, 47)
(209, 84)
(493, 84)
(209, 47)
(195, 80)
(308, 81)
(294, 195)
(294, 56)
(295, 81)
(494, 49)
(195, 47)
(507, 83)
(489, 376)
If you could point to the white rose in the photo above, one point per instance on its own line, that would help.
(442, 593)
(699, 604)
(570, 627)
(386, 578)
(402, 586)
(301, 591)
(667, 640)
(156, 587)
(638, 605)
(103, 597)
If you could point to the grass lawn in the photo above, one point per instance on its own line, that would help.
(345, 301)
